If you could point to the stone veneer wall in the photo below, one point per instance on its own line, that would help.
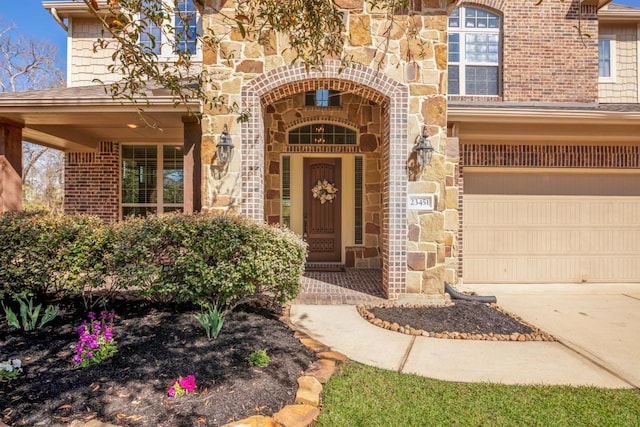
(542, 50)
(405, 77)
(624, 87)
(92, 182)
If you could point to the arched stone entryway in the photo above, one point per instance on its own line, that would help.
(371, 85)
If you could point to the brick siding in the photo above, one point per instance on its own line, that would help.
(92, 181)
(544, 58)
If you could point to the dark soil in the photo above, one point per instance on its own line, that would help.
(464, 317)
(156, 343)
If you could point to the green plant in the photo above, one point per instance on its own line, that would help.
(29, 315)
(10, 369)
(259, 358)
(211, 320)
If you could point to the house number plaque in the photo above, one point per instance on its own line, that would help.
(420, 202)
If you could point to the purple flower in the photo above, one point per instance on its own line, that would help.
(91, 315)
(171, 392)
(77, 359)
(82, 329)
(89, 354)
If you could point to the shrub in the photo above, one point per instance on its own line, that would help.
(42, 253)
(202, 259)
(208, 259)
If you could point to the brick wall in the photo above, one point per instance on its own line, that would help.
(91, 182)
(544, 57)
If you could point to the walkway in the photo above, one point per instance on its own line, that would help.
(596, 325)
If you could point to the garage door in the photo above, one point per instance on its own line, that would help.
(523, 227)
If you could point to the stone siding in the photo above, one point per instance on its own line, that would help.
(92, 182)
(404, 79)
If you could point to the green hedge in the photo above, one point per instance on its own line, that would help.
(184, 258)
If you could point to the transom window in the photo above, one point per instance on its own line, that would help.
(322, 133)
(322, 98)
(474, 52)
(606, 57)
(184, 18)
(152, 179)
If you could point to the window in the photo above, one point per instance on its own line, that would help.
(184, 19)
(322, 98)
(322, 133)
(606, 58)
(474, 52)
(152, 179)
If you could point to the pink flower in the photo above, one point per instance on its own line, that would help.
(188, 383)
(171, 392)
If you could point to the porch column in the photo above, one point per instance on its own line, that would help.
(10, 167)
(192, 164)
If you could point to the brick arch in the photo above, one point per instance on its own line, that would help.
(372, 85)
(496, 5)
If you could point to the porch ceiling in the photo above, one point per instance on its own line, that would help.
(76, 119)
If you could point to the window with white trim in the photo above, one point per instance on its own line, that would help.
(184, 19)
(607, 58)
(152, 179)
(474, 52)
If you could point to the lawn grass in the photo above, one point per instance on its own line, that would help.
(360, 395)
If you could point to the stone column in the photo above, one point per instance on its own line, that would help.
(10, 167)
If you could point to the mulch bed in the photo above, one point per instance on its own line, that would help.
(156, 343)
(459, 320)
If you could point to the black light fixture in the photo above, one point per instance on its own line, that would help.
(225, 147)
(423, 149)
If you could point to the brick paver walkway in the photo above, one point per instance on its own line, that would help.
(354, 286)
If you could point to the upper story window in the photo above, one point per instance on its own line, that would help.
(474, 52)
(606, 57)
(183, 19)
(322, 98)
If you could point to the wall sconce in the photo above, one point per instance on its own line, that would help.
(423, 149)
(225, 148)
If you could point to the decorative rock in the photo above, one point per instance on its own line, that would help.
(296, 415)
(332, 355)
(322, 370)
(313, 345)
(394, 327)
(309, 389)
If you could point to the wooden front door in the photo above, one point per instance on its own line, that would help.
(322, 221)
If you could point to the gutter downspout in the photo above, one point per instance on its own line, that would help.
(457, 295)
(54, 12)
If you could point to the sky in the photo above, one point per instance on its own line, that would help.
(33, 20)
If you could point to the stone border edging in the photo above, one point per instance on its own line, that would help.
(536, 335)
(306, 408)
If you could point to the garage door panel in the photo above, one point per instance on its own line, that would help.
(512, 238)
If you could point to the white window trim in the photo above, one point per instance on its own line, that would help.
(613, 54)
(463, 63)
(166, 45)
(160, 204)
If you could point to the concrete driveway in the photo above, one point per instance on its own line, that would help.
(599, 321)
